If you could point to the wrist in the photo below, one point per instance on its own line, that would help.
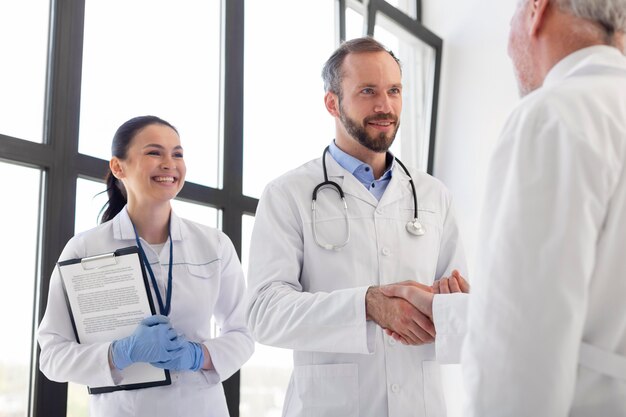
(208, 362)
(110, 357)
(370, 296)
(198, 356)
(428, 307)
(116, 356)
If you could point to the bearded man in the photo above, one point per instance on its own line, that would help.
(316, 271)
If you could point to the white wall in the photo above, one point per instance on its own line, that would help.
(477, 92)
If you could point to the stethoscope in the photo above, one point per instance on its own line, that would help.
(413, 226)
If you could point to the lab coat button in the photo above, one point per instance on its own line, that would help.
(392, 341)
(386, 251)
(395, 388)
(379, 211)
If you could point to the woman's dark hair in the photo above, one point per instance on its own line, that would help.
(119, 148)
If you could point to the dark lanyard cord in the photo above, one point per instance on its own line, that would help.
(165, 310)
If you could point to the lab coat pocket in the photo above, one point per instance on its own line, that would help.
(326, 390)
(425, 215)
(434, 402)
(206, 271)
(199, 290)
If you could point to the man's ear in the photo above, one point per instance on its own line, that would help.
(116, 167)
(331, 101)
(537, 15)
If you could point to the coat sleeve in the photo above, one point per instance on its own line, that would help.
(543, 210)
(62, 359)
(279, 312)
(234, 346)
(450, 310)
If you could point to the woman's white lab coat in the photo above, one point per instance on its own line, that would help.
(312, 300)
(553, 250)
(207, 281)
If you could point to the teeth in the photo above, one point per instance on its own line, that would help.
(164, 179)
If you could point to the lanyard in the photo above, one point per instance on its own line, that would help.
(165, 310)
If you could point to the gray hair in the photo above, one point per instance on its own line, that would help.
(332, 73)
(610, 14)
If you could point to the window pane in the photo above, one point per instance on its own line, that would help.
(77, 400)
(285, 121)
(196, 212)
(163, 58)
(90, 198)
(418, 75)
(19, 221)
(407, 6)
(354, 24)
(265, 376)
(24, 34)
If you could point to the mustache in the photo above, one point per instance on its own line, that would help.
(388, 117)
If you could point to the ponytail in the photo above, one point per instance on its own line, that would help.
(117, 199)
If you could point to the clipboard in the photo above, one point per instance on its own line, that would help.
(107, 296)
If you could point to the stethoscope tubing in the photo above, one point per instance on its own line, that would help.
(414, 227)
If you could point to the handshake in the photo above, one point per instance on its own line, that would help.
(405, 309)
(155, 341)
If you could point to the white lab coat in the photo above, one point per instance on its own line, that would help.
(312, 300)
(207, 281)
(550, 271)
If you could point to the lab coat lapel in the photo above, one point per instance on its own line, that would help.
(123, 227)
(123, 230)
(176, 227)
(347, 181)
(398, 187)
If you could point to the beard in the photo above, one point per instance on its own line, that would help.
(379, 143)
(525, 76)
(523, 64)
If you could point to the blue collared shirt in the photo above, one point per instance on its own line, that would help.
(362, 171)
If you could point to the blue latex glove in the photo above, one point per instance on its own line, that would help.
(189, 357)
(153, 340)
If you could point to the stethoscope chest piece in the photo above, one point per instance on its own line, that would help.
(415, 228)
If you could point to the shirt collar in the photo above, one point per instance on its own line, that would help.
(123, 227)
(575, 60)
(352, 165)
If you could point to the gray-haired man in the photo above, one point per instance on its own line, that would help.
(547, 320)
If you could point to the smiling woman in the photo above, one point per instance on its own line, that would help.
(147, 168)
(194, 275)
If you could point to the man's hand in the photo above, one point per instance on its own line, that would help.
(421, 296)
(452, 284)
(416, 293)
(398, 316)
